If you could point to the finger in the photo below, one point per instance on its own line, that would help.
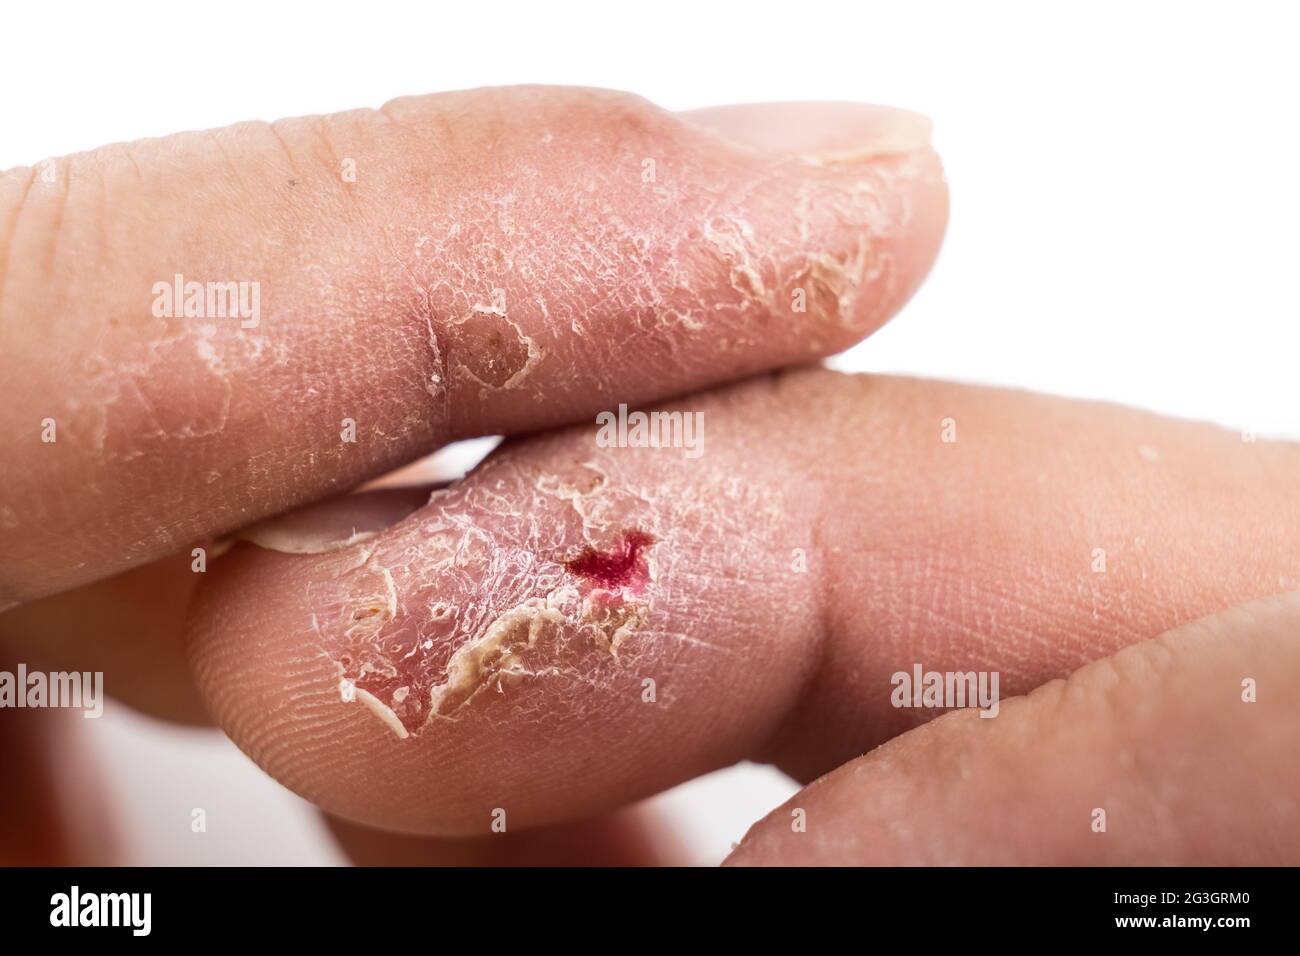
(575, 626)
(1162, 755)
(131, 627)
(463, 264)
(631, 837)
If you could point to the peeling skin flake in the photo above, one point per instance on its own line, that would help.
(614, 622)
(503, 650)
(500, 581)
(477, 664)
(350, 692)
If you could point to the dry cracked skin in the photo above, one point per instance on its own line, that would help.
(526, 571)
(505, 260)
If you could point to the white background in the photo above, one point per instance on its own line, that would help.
(1125, 191)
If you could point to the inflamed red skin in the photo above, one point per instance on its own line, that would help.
(614, 570)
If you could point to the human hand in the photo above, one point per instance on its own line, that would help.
(505, 261)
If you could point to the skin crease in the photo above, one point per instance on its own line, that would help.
(977, 554)
(1123, 735)
(505, 260)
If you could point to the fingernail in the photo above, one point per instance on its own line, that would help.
(335, 524)
(351, 519)
(822, 133)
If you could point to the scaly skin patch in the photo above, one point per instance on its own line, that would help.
(417, 634)
(522, 573)
(499, 653)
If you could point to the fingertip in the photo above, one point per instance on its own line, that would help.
(868, 203)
